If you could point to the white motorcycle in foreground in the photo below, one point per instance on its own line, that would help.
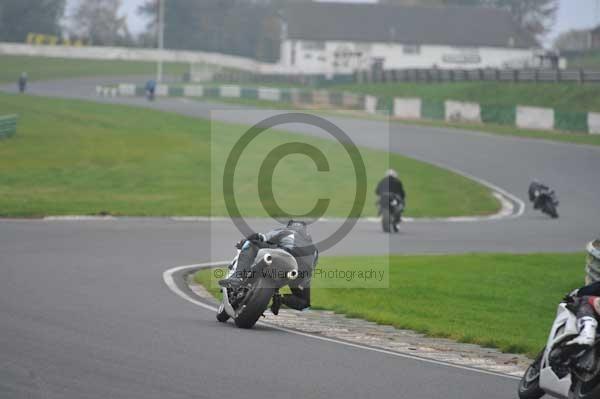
(560, 370)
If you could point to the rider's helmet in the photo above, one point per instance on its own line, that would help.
(392, 173)
(592, 268)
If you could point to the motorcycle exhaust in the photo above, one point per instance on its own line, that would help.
(292, 274)
(268, 259)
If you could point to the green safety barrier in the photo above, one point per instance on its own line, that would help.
(285, 96)
(250, 93)
(306, 96)
(212, 92)
(8, 126)
(175, 91)
(336, 98)
(433, 109)
(498, 114)
(571, 121)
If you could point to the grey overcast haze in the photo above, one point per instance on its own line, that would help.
(573, 14)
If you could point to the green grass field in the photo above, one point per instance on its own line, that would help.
(495, 300)
(44, 68)
(563, 96)
(590, 60)
(75, 157)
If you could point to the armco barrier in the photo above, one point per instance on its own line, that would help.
(457, 111)
(535, 118)
(571, 121)
(8, 126)
(371, 104)
(433, 109)
(407, 108)
(594, 123)
(498, 114)
(269, 94)
(402, 108)
(193, 91)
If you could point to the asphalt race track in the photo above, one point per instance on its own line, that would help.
(84, 312)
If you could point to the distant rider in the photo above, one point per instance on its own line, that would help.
(22, 82)
(150, 89)
(391, 184)
(585, 302)
(535, 189)
(295, 239)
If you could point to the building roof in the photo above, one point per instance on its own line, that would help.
(453, 26)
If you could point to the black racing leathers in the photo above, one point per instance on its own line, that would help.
(390, 184)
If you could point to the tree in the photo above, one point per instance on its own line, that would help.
(535, 16)
(18, 18)
(239, 27)
(98, 21)
(573, 40)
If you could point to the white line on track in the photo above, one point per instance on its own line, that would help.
(170, 282)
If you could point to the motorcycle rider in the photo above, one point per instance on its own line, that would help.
(585, 302)
(150, 89)
(391, 184)
(295, 239)
(22, 83)
(535, 188)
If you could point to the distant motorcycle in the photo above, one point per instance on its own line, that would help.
(561, 370)
(150, 95)
(546, 201)
(390, 207)
(272, 270)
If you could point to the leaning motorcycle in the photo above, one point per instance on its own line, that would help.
(390, 207)
(548, 202)
(561, 370)
(272, 270)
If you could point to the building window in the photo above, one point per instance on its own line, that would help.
(411, 49)
(313, 46)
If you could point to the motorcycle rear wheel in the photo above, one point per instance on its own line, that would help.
(255, 304)
(529, 387)
(386, 221)
(550, 210)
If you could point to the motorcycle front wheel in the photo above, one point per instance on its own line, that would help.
(529, 387)
(255, 304)
(588, 389)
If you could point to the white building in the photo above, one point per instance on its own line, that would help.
(340, 38)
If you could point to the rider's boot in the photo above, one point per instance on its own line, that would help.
(587, 332)
(276, 305)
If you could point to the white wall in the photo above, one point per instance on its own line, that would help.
(361, 55)
(133, 54)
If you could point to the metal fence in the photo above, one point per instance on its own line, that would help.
(478, 75)
(8, 126)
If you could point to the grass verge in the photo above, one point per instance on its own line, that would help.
(45, 68)
(495, 300)
(77, 157)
